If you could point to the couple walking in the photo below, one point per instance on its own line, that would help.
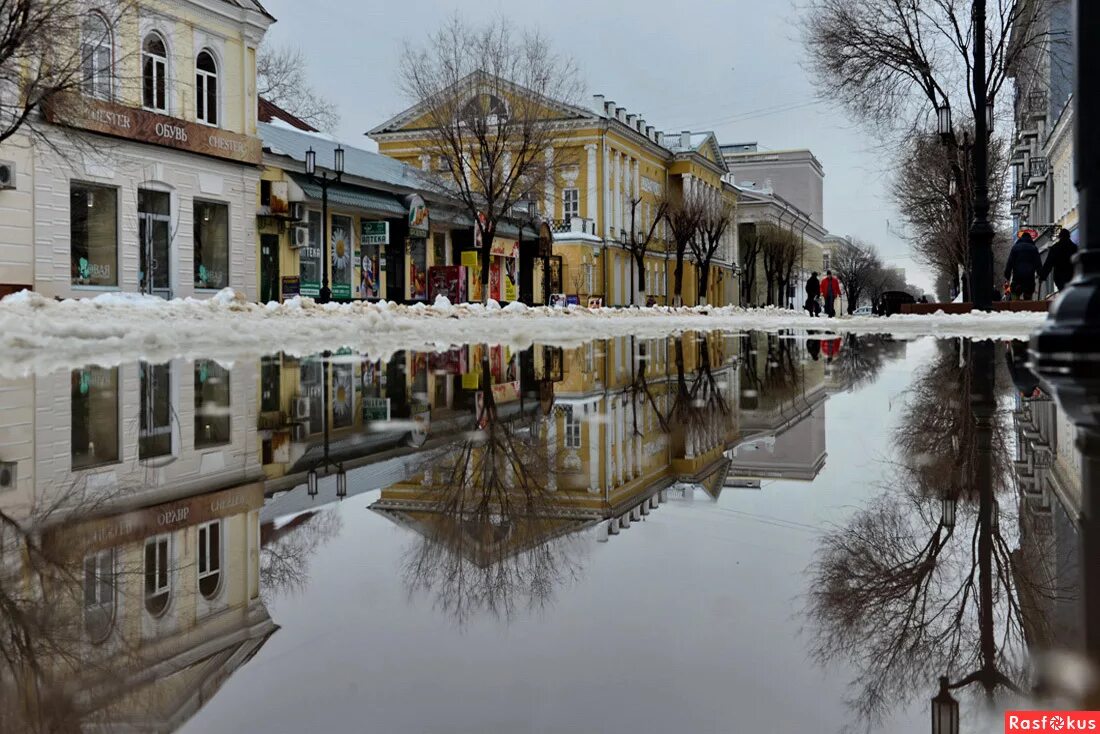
(828, 289)
(1025, 262)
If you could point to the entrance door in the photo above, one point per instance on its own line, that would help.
(269, 268)
(155, 242)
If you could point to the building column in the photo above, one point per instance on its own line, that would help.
(548, 212)
(617, 191)
(606, 192)
(628, 189)
(590, 182)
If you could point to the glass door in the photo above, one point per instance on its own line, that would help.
(155, 242)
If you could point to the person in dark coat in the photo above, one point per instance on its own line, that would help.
(1060, 260)
(1024, 263)
(813, 288)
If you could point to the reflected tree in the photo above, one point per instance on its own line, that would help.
(286, 552)
(493, 538)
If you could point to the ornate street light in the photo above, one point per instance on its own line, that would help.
(324, 180)
(945, 711)
(338, 156)
(311, 161)
(943, 123)
(989, 117)
(947, 511)
(311, 483)
(341, 484)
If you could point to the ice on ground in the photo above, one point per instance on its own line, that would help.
(39, 334)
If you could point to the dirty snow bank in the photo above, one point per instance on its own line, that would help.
(41, 334)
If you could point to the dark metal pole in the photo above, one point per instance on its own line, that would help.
(326, 292)
(981, 231)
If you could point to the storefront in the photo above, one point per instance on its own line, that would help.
(503, 271)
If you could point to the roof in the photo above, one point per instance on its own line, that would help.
(697, 141)
(355, 197)
(281, 139)
(250, 5)
(266, 111)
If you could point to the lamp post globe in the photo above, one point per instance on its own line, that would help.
(945, 711)
(943, 122)
(311, 162)
(338, 160)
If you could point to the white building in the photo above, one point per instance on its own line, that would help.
(147, 181)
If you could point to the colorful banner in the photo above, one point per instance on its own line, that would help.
(472, 261)
(511, 279)
(419, 223)
(342, 246)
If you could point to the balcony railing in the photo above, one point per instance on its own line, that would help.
(573, 224)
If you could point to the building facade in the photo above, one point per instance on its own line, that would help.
(145, 181)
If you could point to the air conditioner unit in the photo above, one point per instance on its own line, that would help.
(299, 237)
(7, 475)
(7, 175)
(297, 210)
(301, 408)
(298, 432)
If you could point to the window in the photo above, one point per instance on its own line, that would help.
(206, 88)
(99, 594)
(210, 558)
(211, 245)
(157, 592)
(93, 234)
(212, 419)
(309, 258)
(94, 401)
(572, 429)
(96, 57)
(570, 204)
(825, 261)
(154, 71)
(155, 435)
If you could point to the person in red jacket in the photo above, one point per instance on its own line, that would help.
(830, 291)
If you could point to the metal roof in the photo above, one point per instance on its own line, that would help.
(354, 197)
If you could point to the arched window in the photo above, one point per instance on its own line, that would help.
(96, 56)
(210, 558)
(158, 589)
(154, 73)
(206, 88)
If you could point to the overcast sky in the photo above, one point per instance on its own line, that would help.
(732, 67)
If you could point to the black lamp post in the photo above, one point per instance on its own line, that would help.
(945, 711)
(324, 180)
(326, 463)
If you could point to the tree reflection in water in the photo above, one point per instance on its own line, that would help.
(493, 538)
(923, 582)
(287, 551)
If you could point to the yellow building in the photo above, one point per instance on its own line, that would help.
(615, 169)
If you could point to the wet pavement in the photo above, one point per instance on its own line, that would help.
(711, 533)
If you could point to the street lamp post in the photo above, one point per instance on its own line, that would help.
(981, 231)
(945, 711)
(324, 180)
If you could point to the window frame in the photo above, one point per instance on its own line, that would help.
(571, 433)
(99, 605)
(203, 78)
(96, 187)
(96, 80)
(204, 544)
(152, 58)
(195, 205)
(159, 591)
(570, 204)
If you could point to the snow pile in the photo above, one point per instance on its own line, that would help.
(40, 334)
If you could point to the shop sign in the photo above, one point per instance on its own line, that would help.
(375, 233)
(292, 286)
(419, 223)
(140, 524)
(449, 281)
(132, 123)
(505, 248)
(376, 409)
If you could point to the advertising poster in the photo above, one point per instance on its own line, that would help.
(494, 280)
(449, 281)
(343, 395)
(416, 251)
(309, 259)
(419, 221)
(342, 260)
(372, 238)
(511, 279)
(471, 261)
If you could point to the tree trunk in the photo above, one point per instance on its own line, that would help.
(486, 259)
(704, 282)
(639, 294)
(678, 280)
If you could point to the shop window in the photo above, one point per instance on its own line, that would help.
(212, 418)
(211, 245)
(96, 57)
(343, 395)
(570, 204)
(157, 588)
(271, 371)
(99, 594)
(206, 88)
(154, 73)
(311, 375)
(93, 234)
(95, 427)
(439, 248)
(210, 558)
(155, 435)
(572, 429)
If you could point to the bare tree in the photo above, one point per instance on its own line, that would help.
(488, 98)
(717, 217)
(779, 249)
(855, 264)
(751, 239)
(281, 79)
(684, 214)
(641, 240)
(50, 53)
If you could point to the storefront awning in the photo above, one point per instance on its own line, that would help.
(354, 197)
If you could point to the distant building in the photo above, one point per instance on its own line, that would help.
(796, 175)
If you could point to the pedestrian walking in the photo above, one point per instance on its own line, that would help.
(1059, 260)
(1023, 264)
(830, 291)
(813, 291)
